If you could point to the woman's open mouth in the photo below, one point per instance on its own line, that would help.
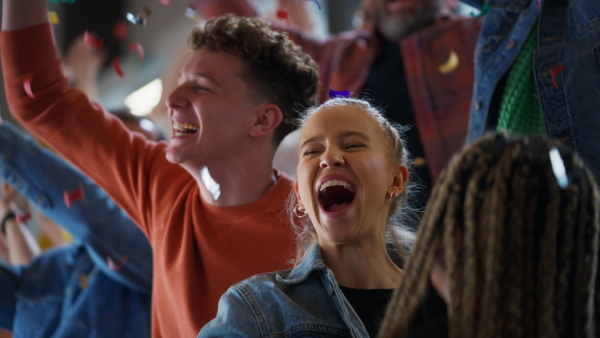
(336, 195)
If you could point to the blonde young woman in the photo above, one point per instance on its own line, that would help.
(514, 228)
(352, 175)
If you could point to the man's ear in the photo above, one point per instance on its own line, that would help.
(267, 118)
(398, 182)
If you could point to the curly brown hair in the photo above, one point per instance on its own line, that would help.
(278, 69)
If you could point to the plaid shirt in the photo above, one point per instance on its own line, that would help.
(438, 61)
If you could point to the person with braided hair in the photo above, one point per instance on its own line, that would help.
(510, 241)
(351, 180)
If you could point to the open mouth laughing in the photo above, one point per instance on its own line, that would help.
(184, 129)
(336, 195)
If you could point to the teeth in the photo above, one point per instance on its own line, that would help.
(185, 128)
(332, 183)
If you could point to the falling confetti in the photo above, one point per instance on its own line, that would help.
(23, 217)
(27, 85)
(558, 167)
(83, 281)
(165, 2)
(141, 18)
(116, 266)
(117, 67)
(335, 93)
(315, 1)
(120, 31)
(90, 40)
(74, 196)
(283, 14)
(450, 65)
(484, 10)
(136, 47)
(553, 72)
(53, 17)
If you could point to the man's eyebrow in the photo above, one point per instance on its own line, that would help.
(202, 75)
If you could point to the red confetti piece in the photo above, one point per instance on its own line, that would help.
(283, 14)
(116, 266)
(24, 217)
(120, 31)
(27, 85)
(74, 196)
(136, 47)
(165, 2)
(117, 67)
(88, 39)
(553, 72)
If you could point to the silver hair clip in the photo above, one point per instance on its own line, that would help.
(213, 187)
(558, 166)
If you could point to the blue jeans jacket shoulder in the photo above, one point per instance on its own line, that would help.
(304, 301)
(566, 68)
(96, 221)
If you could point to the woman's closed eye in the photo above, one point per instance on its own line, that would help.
(355, 146)
(311, 152)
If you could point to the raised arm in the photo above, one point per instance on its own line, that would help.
(127, 166)
(22, 246)
(93, 219)
(18, 14)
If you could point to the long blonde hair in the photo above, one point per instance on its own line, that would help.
(527, 264)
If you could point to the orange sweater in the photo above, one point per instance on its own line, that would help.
(199, 249)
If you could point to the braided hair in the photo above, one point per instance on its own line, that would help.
(527, 262)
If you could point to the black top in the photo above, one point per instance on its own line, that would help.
(429, 321)
(386, 86)
(369, 305)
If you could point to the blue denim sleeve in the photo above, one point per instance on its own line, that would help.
(235, 318)
(9, 284)
(96, 221)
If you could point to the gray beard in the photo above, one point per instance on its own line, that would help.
(396, 28)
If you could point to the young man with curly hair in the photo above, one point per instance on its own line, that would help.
(209, 201)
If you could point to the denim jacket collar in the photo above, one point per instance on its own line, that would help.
(313, 261)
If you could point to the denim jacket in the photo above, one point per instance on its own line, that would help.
(566, 65)
(73, 291)
(301, 302)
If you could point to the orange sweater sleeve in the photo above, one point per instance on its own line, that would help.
(123, 163)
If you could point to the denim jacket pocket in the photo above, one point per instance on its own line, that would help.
(42, 317)
(509, 5)
(586, 14)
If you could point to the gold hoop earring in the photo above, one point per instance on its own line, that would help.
(299, 211)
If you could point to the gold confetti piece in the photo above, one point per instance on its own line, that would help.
(450, 65)
(83, 281)
(53, 17)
